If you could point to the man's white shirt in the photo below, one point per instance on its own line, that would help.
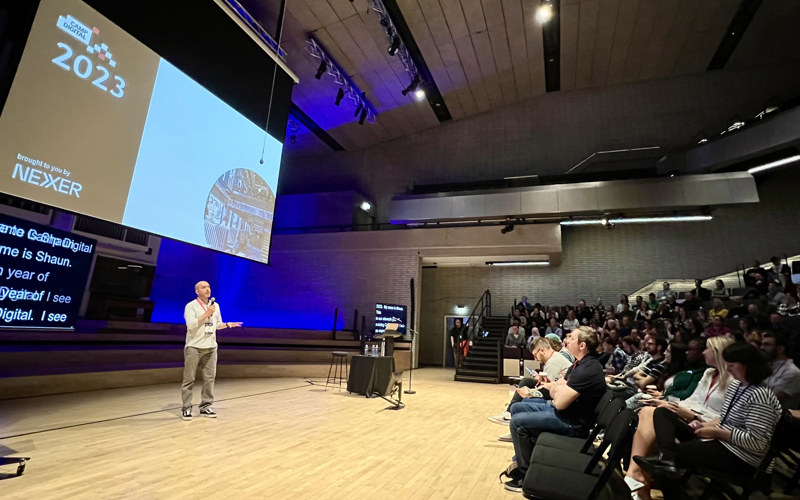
(199, 334)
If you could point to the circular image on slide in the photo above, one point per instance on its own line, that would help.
(239, 212)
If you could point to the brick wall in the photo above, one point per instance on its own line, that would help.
(601, 263)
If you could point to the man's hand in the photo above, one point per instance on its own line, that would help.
(234, 324)
(523, 391)
(209, 312)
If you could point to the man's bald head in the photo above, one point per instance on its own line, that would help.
(202, 289)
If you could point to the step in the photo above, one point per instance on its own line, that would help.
(487, 358)
(477, 372)
(479, 366)
(474, 378)
(484, 348)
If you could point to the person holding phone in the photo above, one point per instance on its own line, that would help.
(203, 319)
(736, 442)
(554, 366)
(703, 404)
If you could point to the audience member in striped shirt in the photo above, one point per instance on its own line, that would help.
(735, 443)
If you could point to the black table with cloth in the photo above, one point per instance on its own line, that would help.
(370, 375)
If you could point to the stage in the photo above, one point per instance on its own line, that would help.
(274, 438)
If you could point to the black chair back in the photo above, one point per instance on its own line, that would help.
(610, 411)
(616, 440)
(607, 398)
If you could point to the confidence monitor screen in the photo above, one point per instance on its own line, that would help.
(43, 274)
(97, 123)
(390, 313)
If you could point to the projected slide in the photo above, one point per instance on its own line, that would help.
(97, 123)
(43, 274)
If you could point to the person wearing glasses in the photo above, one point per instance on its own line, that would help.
(554, 366)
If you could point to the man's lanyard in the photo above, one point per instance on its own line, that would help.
(201, 305)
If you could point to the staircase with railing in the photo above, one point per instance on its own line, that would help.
(484, 359)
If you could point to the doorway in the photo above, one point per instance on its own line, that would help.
(448, 358)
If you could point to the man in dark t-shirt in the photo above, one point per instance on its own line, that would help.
(568, 407)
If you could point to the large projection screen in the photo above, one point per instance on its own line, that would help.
(97, 123)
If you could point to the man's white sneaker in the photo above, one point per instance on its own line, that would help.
(502, 419)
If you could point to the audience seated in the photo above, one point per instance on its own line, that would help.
(515, 337)
(717, 309)
(755, 273)
(620, 356)
(720, 291)
(518, 316)
(704, 294)
(690, 302)
(583, 313)
(537, 317)
(623, 302)
(652, 303)
(567, 408)
(665, 293)
(705, 402)
(715, 403)
(684, 378)
(785, 378)
(570, 323)
(778, 271)
(604, 350)
(535, 334)
(716, 328)
(656, 366)
(554, 329)
(775, 294)
(734, 444)
(554, 366)
(524, 301)
(625, 327)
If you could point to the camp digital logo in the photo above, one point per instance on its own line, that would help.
(82, 66)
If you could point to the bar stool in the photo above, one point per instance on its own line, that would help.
(338, 366)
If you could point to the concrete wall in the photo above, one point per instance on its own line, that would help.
(546, 135)
(601, 263)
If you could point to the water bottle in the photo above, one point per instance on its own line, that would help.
(374, 349)
(366, 349)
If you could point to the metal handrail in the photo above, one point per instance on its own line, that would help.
(483, 307)
(738, 277)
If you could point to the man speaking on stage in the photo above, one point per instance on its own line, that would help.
(203, 319)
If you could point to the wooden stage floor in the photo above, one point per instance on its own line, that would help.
(274, 438)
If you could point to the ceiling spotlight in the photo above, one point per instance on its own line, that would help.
(363, 116)
(419, 94)
(339, 96)
(395, 46)
(323, 65)
(411, 86)
(293, 138)
(366, 206)
(544, 13)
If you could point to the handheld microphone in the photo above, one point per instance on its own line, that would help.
(211, 301)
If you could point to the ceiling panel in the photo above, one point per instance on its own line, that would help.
(487, 54)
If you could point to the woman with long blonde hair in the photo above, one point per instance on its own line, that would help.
(705, 404)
